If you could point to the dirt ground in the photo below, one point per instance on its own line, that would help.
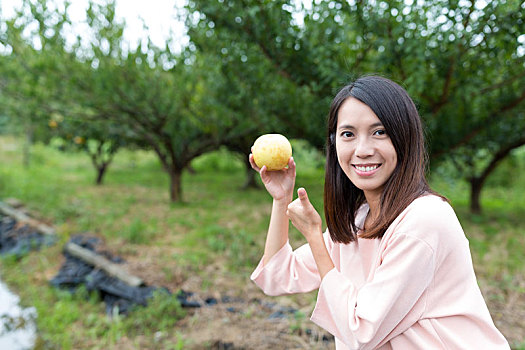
(244, 318)
(247, 319)
(507, 309)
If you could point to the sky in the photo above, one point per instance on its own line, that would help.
(159, 16)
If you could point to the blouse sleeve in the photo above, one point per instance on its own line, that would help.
(288, 271)
(363, 318)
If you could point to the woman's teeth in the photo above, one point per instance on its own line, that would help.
(366, 168)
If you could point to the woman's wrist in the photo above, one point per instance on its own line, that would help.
(314, 236)
(284, 201)
(322, 258)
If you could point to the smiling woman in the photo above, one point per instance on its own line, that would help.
(393, 268)
(365, 152)
(374, 124)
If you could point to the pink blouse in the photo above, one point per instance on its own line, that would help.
(413, 289)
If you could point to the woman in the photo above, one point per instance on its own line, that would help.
(393, 268)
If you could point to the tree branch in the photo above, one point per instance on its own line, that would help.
(500, 155)
(500, 84)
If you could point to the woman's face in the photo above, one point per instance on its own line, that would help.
(364, 150)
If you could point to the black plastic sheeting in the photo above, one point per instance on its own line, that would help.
(116, 294)
(120, 296)
(19, 240)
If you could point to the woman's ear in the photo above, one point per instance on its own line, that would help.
(332, 138)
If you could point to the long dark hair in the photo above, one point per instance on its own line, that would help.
(398, 114)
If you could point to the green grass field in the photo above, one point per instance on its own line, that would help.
(217, 225)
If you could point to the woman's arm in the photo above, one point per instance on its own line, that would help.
(322, 258)
(306, 219)
(279, 185)
(277, 235)
(281, 270)
(289, 271)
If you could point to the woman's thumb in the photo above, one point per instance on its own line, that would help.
(303, 196)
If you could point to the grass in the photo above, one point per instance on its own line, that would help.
(217, 224)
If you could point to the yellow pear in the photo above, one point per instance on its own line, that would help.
(272, 150)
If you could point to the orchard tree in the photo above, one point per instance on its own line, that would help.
(477, 119)
(478, 159)
(462, 62)
(270, 53)
(254, 87)
(86, 123)
(36, 61)
(167, 101)
(176, 111)
(98, 138)
(50, 88)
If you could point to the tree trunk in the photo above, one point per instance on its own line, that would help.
(27, 146)
(476, 184)
(175, 185)
(250, 181)
(101, 170)
(101, 165)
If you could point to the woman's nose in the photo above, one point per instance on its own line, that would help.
(364, 147)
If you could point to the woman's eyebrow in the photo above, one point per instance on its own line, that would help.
(348, 126)
(375, 125)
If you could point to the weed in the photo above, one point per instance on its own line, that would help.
(298, 320)
(160, 315)
(139, 232)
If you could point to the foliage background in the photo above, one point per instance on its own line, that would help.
(146, 147)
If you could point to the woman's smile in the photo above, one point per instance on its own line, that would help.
(366, 169)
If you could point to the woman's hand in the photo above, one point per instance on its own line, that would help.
(280, 183)
(306, 219)
(304, 216)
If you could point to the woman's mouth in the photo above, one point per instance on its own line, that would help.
(366, 169)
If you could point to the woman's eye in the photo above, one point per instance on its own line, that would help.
(380, 132)
(346, 134)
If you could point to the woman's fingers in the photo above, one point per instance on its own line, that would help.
(252, 163)
(265, 177)
(303, 215)
(301, 207)
(281, 180)
(291, 165)
(303, 196)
